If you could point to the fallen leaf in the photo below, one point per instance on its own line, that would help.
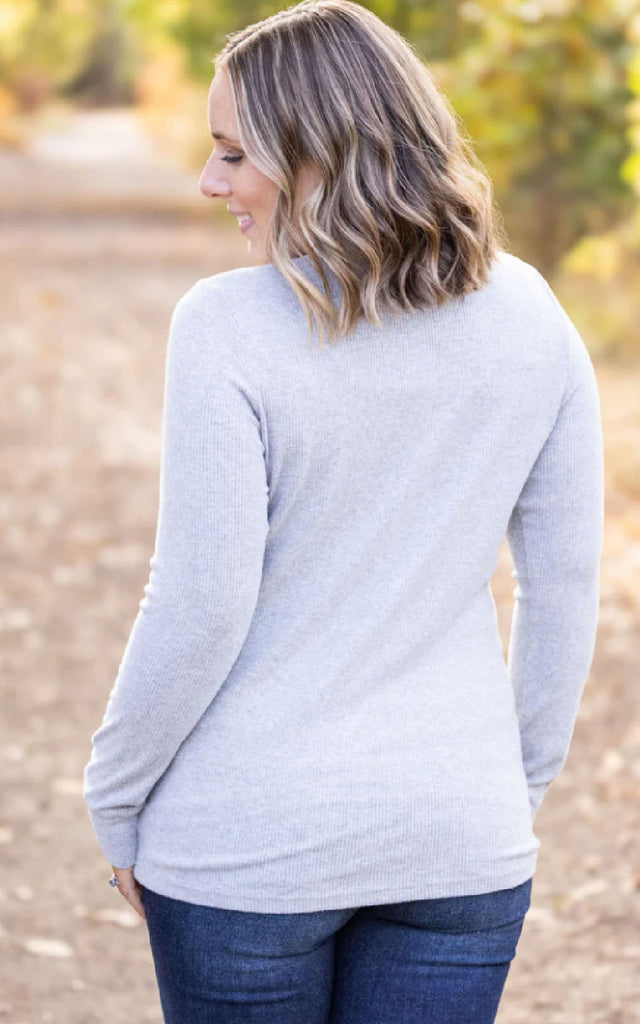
(124, 918)
(47, 947)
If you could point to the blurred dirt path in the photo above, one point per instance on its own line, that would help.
(99, 240)
(96, 159)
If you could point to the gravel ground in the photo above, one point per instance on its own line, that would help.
(94, 254)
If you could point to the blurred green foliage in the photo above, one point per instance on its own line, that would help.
(548, 91)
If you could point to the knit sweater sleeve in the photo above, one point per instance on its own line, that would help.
(206, 572)
(555, 535)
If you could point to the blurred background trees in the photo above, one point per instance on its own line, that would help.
(547, 90)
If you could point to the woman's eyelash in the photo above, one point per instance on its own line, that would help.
(232, 159)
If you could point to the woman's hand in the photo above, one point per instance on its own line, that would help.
(130, 888)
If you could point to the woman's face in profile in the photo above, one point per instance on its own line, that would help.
(229, 174)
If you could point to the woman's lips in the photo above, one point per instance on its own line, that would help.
(245, 224)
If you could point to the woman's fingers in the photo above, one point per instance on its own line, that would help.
(135, 899)
(131, 889)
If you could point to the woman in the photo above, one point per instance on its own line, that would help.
(314, 757)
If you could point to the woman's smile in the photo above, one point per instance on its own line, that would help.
(245, 222)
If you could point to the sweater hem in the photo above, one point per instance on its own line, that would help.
(165, 884)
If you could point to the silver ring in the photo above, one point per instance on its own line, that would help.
(114, 880)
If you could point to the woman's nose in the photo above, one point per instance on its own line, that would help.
(211, 186)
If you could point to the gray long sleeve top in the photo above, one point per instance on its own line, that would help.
(313, 710)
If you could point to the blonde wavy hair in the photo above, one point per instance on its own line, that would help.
(404, 214)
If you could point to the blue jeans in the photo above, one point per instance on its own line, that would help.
(436, 961)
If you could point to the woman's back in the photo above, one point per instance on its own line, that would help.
(330, 520)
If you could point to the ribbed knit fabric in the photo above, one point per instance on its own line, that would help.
(313, 710)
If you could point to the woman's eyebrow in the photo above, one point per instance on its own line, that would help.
(224, 138)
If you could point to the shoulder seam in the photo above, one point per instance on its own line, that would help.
(234, 354)
(561, 317)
